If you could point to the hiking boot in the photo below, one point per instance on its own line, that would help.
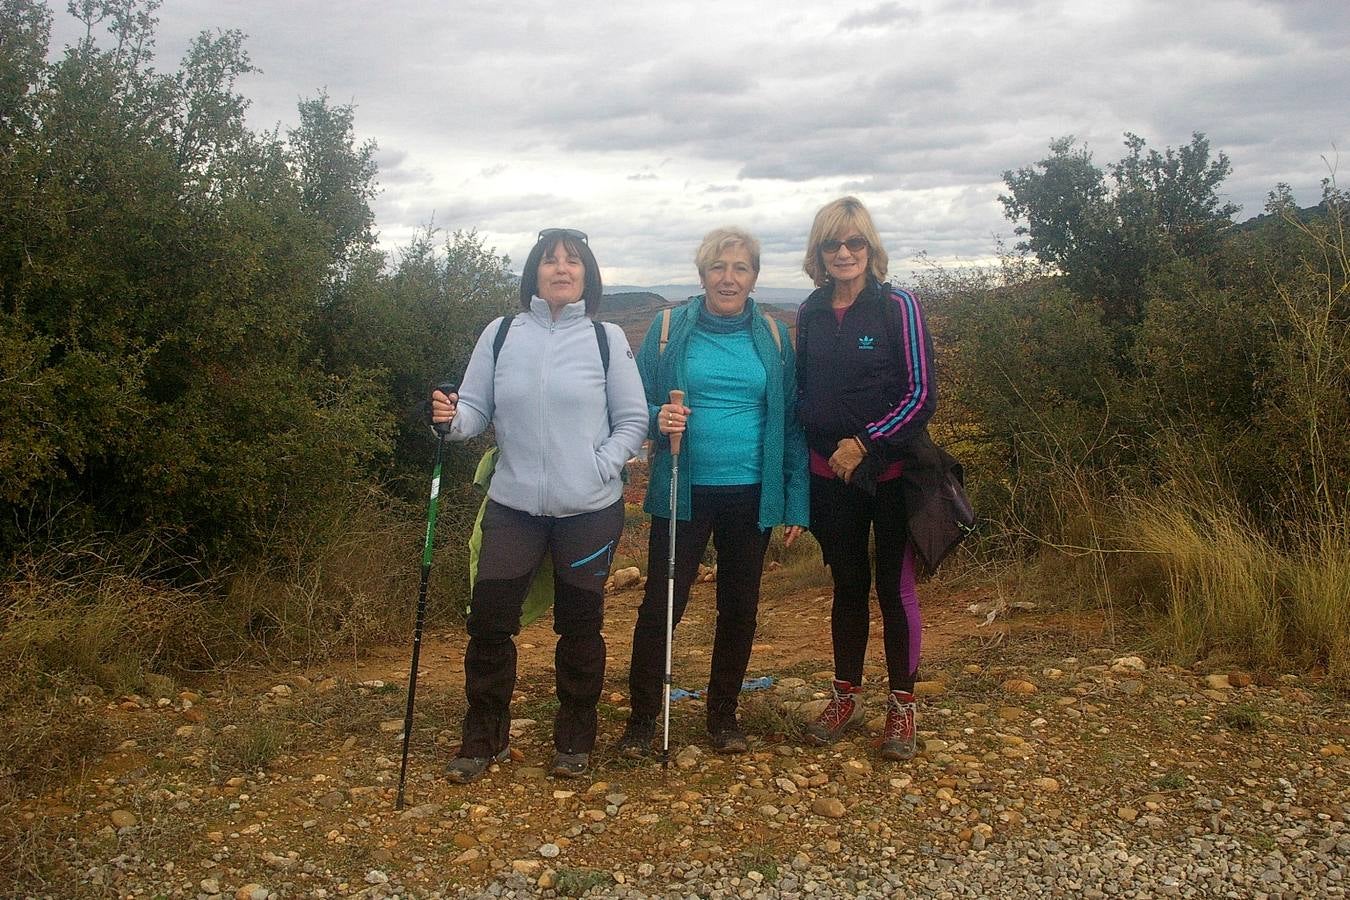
(466, 769)
(570, 765)
(897, 742)
(637, 738)
(728, 738)
(843, 712)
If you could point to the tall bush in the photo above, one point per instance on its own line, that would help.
(202, 350)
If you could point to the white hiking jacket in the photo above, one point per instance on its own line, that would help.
(564, 429)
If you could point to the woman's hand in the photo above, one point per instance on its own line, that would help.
(671, 418)
(846, 458)
(791, 533)
(443, 407)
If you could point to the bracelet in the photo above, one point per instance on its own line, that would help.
(861, 447)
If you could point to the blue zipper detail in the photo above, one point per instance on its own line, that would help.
(581, 562)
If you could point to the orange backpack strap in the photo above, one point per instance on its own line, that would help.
(773, 330)
(665, 331)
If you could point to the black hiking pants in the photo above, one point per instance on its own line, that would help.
(514, 544)
(730, 515)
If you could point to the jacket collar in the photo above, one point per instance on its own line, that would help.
(540, 309)
(820, 297)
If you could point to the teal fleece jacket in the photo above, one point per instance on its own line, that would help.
(784, 493)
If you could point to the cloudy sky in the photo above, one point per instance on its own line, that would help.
(645, 124)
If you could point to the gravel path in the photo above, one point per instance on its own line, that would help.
(1086, 773)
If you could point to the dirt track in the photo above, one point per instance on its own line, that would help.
(1037, 743)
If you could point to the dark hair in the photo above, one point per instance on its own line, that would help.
(529, 276)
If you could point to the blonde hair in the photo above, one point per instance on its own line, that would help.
(721, 239)
(838, 218)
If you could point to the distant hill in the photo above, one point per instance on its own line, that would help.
(633, 309)
(632, 300)
(1302, 214)
(677, 293)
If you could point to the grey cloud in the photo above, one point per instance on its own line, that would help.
(691, 76)
(878, 16)
(729, 203)
(395, 169)
(480, 116)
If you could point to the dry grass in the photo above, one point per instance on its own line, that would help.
(98, 618)
(799, 566)
(41, 741)
(1231, 589)
(1206, 579)
(1220, 576)
(29, 850)
(93, 617)
(1316, 579)
(348, 580)
(251, 746)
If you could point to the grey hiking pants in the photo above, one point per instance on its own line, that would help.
(514, 544)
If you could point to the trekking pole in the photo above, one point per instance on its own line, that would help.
(676, 399)
(442, 429)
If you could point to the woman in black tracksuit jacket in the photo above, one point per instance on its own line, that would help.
(866, 387)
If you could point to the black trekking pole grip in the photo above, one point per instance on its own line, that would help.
(442, 429)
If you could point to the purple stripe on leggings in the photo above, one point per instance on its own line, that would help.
(909, 599)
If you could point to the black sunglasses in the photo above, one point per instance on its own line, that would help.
(564, 232)
(855, 244)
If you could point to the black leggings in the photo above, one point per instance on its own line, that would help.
(731, 516)
(842, 520)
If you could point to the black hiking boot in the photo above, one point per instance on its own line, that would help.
(570, 765)
(728, 737)
(637, 738)
(467, 769)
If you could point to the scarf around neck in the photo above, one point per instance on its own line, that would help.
(710, 321)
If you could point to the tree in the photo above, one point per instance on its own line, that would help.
(25, 30)
(1107, 238)
(337, 178)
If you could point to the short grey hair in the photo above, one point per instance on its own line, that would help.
(719, 240)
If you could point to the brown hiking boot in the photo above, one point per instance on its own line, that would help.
(843, 712)
(897, 742)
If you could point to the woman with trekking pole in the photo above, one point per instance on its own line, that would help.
(742, 470)
(866, 388)
(564, 397)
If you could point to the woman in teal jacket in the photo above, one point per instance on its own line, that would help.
(743, 470)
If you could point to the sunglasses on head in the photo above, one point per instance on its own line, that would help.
(854, 244)
(564, 232)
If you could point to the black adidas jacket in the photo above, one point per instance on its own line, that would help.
(870, 376)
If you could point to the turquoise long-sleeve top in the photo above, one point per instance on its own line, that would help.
(731, 385)
(782, 475)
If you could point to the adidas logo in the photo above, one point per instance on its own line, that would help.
(867, 342)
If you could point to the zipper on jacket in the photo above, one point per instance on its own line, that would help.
(544, 508)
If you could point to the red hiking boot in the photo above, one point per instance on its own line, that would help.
(897, 742)
(844, 711)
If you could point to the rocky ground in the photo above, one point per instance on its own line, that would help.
(1053, 763)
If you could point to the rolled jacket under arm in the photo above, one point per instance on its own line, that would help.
(564, 427)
